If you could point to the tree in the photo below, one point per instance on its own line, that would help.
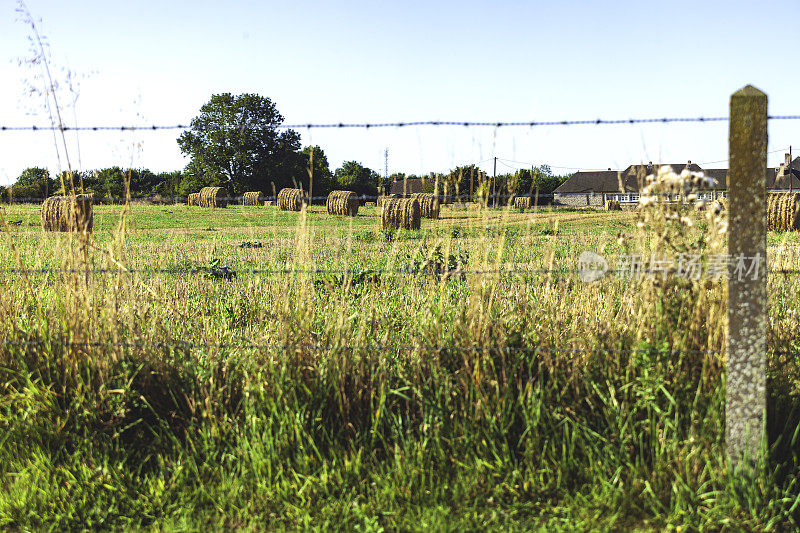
(234, 142)
(34, 182)
(353, 176)
(454, 183)
(108, 183)
(313, 158)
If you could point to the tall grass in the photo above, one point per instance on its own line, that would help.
(400, 401)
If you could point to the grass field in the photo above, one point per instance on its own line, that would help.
(259, 369)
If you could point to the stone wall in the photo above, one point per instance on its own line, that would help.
(579, 200)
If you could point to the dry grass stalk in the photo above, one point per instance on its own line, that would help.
(194, 199)
(342, 203)
(251, 198)
(402, 213)
(213, 197)
(68, 213)
(291, 199)
(428, 204)
(369, 204)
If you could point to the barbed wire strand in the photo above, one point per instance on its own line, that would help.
(176, 200)
(188, 345)
(205, 270)
(333, 347)
(404, 124)
(446, 199)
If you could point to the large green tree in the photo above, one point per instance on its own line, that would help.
(353, 176)
(235, 142)
(34, 182)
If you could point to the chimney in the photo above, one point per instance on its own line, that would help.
(781, 170)
(788, 159)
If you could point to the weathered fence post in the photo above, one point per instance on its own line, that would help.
(747, 289)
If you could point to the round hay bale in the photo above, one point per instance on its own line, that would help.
(342, 203)
(522, 202)
(428, 204)
(291, 199)
(613, 205)
(251, 198)
(399, 213)
(194, 199)
(213, 197)
(68, 213)
(783, 211)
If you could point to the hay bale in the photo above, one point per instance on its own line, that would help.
(428, 204)
(783, 211)
(251, 198)
(342, 203)
(399, 213)
(523, 202)
(291, 199)
(68, 213)
(213, 197)
(613, 205)
(194, 199)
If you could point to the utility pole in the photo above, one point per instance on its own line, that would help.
(494, 181)
(471, 183)
(385, 169)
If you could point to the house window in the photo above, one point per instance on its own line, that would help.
(629, 197)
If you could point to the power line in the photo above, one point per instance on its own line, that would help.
(530, 164)
(726, 159)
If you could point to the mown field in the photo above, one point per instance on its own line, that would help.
(186, 368)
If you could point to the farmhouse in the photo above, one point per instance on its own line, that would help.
(788, 175)
(593, 188)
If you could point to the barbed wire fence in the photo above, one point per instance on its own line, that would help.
(405, 124)
(513, 271)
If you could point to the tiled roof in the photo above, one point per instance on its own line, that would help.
(591, 181)
(629, 180)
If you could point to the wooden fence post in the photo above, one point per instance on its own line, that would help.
(747, 289)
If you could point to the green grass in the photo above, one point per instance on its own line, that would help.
(498, 401)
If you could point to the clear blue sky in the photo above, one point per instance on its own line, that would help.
(145, 62)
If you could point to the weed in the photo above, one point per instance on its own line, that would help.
(217, 271)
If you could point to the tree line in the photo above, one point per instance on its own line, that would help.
(237, 142)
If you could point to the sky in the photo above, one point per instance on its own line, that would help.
(144, 62)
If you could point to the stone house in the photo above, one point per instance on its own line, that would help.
(593, 188)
